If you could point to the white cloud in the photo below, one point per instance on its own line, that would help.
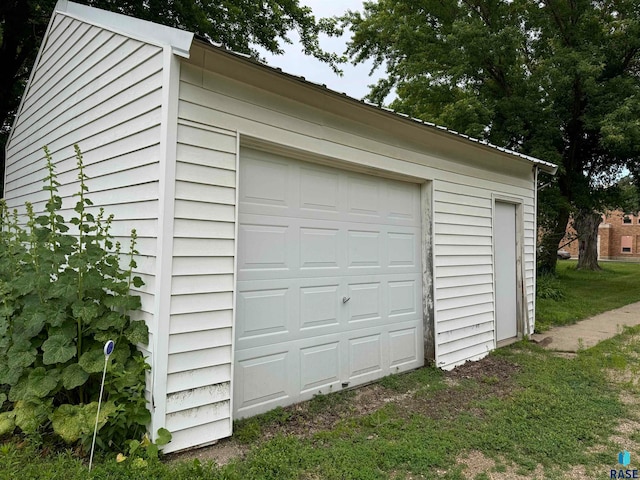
(355, 79)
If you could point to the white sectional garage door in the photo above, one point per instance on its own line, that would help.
(329, 281)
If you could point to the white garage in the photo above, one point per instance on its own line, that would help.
(292, 240)
(329, 280)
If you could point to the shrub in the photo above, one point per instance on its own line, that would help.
(549, 287)
(62, 296)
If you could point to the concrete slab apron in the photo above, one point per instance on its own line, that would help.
(589, 332)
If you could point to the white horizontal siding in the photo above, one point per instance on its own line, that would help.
(101, 91)
(201, 434)
(200, 334)
(463, 258)
(199, 321)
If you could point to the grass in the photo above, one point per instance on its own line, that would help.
(554, 411)
(573, 295)
(550, 413)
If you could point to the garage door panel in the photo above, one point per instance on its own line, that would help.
(319, 190)
(403, 203)
(403, 346)
(319, 366)
(403, 298)
(319, 307)
(266, 183)
(365, 356)
(364, 248)
(364, 302)
(329, 282)
(319, 248)
(265, 246)
(315, 248)
(262, 380)
(265, 313)
(285, 309)
(364, 198)
(403, 249)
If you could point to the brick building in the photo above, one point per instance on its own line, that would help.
(618, 238)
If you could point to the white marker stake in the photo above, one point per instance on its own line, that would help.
(108, 350)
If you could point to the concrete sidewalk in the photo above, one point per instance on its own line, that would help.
(587, 333)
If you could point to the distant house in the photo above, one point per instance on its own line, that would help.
(293, 240)
(618, 238)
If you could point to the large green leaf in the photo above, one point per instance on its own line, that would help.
(7, 423)
(163, 437)
(86, 311)
(20, 390)
(110, 320)
(72, 422)
(64, 288)
(31, 414)
(21, 354)
(73, 376)
(10, 376)
(137, 332)
(29, 324)
(3, 398)
(57, 316)
(24, 284)
(92, 361)
(42, 381)
(57, 349)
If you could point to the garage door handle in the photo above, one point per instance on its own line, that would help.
(345, 299)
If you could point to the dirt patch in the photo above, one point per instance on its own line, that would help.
(468, 384)
(221, 452)
(489, 376)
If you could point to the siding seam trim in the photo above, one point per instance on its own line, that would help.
(168, 142)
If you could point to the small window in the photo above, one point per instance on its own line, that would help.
(626, 242)
(626, 220)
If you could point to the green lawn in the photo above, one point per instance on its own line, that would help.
(522, 409)
(584, 294)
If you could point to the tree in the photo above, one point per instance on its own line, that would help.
(556, 79)
(239, 25)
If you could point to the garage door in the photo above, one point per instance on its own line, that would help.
(329, 281)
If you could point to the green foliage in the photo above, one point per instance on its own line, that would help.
(248, 430)
(556, 80)
(62, 296)
(549, 287)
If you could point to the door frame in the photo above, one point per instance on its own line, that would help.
(521, 310)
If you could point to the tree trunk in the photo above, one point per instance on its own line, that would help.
(549, 241)
(586, 225)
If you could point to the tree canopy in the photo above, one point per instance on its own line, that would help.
(240, 25)
(556, 79)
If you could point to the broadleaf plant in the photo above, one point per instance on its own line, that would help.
(62, 295)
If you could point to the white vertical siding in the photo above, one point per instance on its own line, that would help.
(200, 338)
(102, 91)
